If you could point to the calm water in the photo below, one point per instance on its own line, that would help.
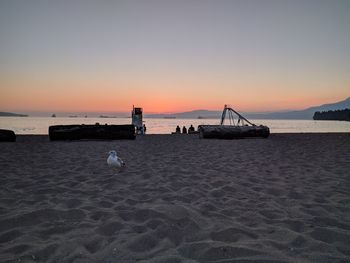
(40, 125)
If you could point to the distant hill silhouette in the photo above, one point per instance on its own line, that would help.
(339, 115)
(306, 114)
(207, 114)
(10, 114)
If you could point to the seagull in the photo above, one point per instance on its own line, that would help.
(114, 161)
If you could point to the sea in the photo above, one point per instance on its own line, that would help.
(40, 125)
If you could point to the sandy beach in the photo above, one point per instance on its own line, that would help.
(179, 199)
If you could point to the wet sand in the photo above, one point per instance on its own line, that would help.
(179, 199)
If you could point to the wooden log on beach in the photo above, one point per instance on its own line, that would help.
(92, 132)
(7, 136)
(232, 132)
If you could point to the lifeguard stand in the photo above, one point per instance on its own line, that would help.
(136, 116)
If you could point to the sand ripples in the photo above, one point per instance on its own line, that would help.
(180, 199)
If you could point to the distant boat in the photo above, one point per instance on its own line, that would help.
(53, 115)
(104, 116)
(200, 117)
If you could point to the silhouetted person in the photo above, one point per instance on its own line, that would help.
(191, 129)
(184, 130)
(178, 130)
(144, 129)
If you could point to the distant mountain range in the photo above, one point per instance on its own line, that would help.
(207, 114)
(10, 114)
(305, 114)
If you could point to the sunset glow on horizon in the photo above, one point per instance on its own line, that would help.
(173, 56)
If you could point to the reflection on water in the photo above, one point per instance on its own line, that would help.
(40, 125)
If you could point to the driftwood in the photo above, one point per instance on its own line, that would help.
(91, 132)
(232, 131)
(7, 136)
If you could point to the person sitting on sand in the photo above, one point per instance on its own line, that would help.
(178, 130)
(191, 129)
(184, 130)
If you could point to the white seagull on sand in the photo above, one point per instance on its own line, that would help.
(114, 161)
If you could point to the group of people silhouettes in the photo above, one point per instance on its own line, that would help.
(184, 129)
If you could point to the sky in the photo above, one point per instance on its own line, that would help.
(172, 56)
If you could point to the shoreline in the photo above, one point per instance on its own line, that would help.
(177, 134)
(43, 137)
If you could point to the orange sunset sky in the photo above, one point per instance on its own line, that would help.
(172, 56)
